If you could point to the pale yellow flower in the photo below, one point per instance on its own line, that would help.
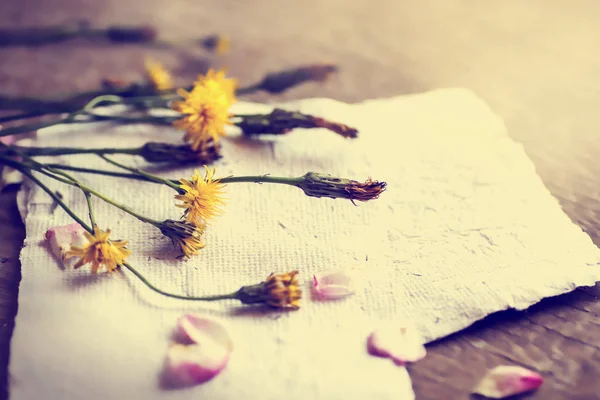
(100, 251)
(158, 75)
(202, 198)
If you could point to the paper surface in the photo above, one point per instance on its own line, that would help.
(466, 228)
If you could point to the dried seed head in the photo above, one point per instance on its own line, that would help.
(279, 290)
(157, 152)
(127, 34)
(279, 82)
(324, 185)
(279, 122)
(188, 237)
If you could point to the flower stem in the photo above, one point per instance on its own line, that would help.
(151, 177)
(52, 173)
(59, 151)
(57, 199)
(262, 179)
(230, 296)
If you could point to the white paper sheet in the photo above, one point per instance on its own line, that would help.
(465, 228)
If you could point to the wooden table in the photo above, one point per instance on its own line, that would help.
(536, 63)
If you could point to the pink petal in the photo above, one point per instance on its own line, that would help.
(194, 364)
(8, 140)
(194, 328)
(61, 238)
(505, 380)
(332, 285)
(400, 343)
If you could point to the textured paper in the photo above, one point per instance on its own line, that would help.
(465, 228)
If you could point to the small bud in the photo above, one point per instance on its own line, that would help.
(279, 122)
(279, 82)
(324, 185)
(157, 152)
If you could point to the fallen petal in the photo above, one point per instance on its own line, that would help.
(189, 365)
(332, 285)
(7, 140)
(506, 380)
(401, 343)
(194, 328)
(61, 238)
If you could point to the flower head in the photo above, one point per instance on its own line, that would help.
(205, 108)
(217, 80)
(188, 237)
(158, 75)
(202, 198)
(100, 251)
(279, 290)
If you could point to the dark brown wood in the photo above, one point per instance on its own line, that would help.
(536, 63)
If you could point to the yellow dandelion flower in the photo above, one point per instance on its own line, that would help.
(217, 80)
(202, 198)
(206, 112)
(158, 75)
(100, 251)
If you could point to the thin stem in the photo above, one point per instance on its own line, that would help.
(54, 197)
(100, 172)
(16, 117)
(59, 151)
(230, 296)
(88, 199)
(151, 177)
(50, 172)
(262, 179)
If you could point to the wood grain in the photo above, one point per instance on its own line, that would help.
(536, 63)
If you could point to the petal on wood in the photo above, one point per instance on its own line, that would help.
(402, 343)
(506, 380)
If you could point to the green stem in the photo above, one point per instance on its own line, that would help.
(88, 199)
(59, 151)
(262, 179)
(149, 176)
(50, 172)
(58, 200)
(100, 172)
(230, 296)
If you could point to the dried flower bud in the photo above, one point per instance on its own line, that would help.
(129, 34)
(157, 152)
(217, 43)
(188, 237)
(324, 185)
(279, 82)
(279, 290)
(279, 122)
